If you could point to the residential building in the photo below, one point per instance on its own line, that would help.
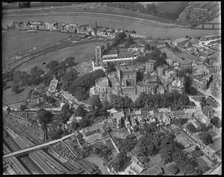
(88, 131)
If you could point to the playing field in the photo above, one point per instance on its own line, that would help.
(16, 41)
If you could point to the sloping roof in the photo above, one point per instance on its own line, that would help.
(207, 161)
(118, 114)
(112, 110)
(201, 162)
(178, 113)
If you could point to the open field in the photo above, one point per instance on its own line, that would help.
(82, 53)
(10, 97)
(15, 41)
(90, 16)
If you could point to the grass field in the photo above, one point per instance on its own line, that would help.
(15, 41)
(82, 53)
(10, 97)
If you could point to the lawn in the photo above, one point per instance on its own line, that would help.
(141, 26)
(15, 41)
(82, 53)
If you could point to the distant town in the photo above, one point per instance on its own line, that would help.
(136, 105)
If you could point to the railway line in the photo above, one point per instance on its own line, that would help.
(18, 167)
(21, 162)
(45, 162)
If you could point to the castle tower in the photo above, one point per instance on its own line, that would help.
(98, 55)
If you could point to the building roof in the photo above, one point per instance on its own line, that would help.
(201, 162)
(196, 154)
(118, 115)
(178, 113)
(207, 161)
(156, 170)
(112, 110)
(186, 61)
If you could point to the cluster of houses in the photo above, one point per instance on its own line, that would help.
(85, 29)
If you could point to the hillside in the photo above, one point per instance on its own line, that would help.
(170, 10)
(197, 12)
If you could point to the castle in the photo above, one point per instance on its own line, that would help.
(132, 79)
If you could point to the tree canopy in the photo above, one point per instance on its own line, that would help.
(206, 138)
(44, 117)
(95, 101)
(216, 121)
(80, 111)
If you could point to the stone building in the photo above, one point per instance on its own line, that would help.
(177, 84)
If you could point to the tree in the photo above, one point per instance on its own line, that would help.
(216, 121)
(173, 168)
(149, 127)
(23, 107)
(66, 113)
(16, 89)
(84, 122)
(95, 101)
(52, 64)
(147, 47)
(70, 61)
(73, 126)
(120, 161)
(206, 138)
(129, 41)
(110, 68)
(128, 103)
(69, 78)
(44, 117)
(80, 111)
(129, 143)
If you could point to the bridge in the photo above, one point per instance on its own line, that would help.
(34, 148)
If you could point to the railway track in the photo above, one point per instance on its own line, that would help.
(18, 167)
(43, 160)
(21, 163)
